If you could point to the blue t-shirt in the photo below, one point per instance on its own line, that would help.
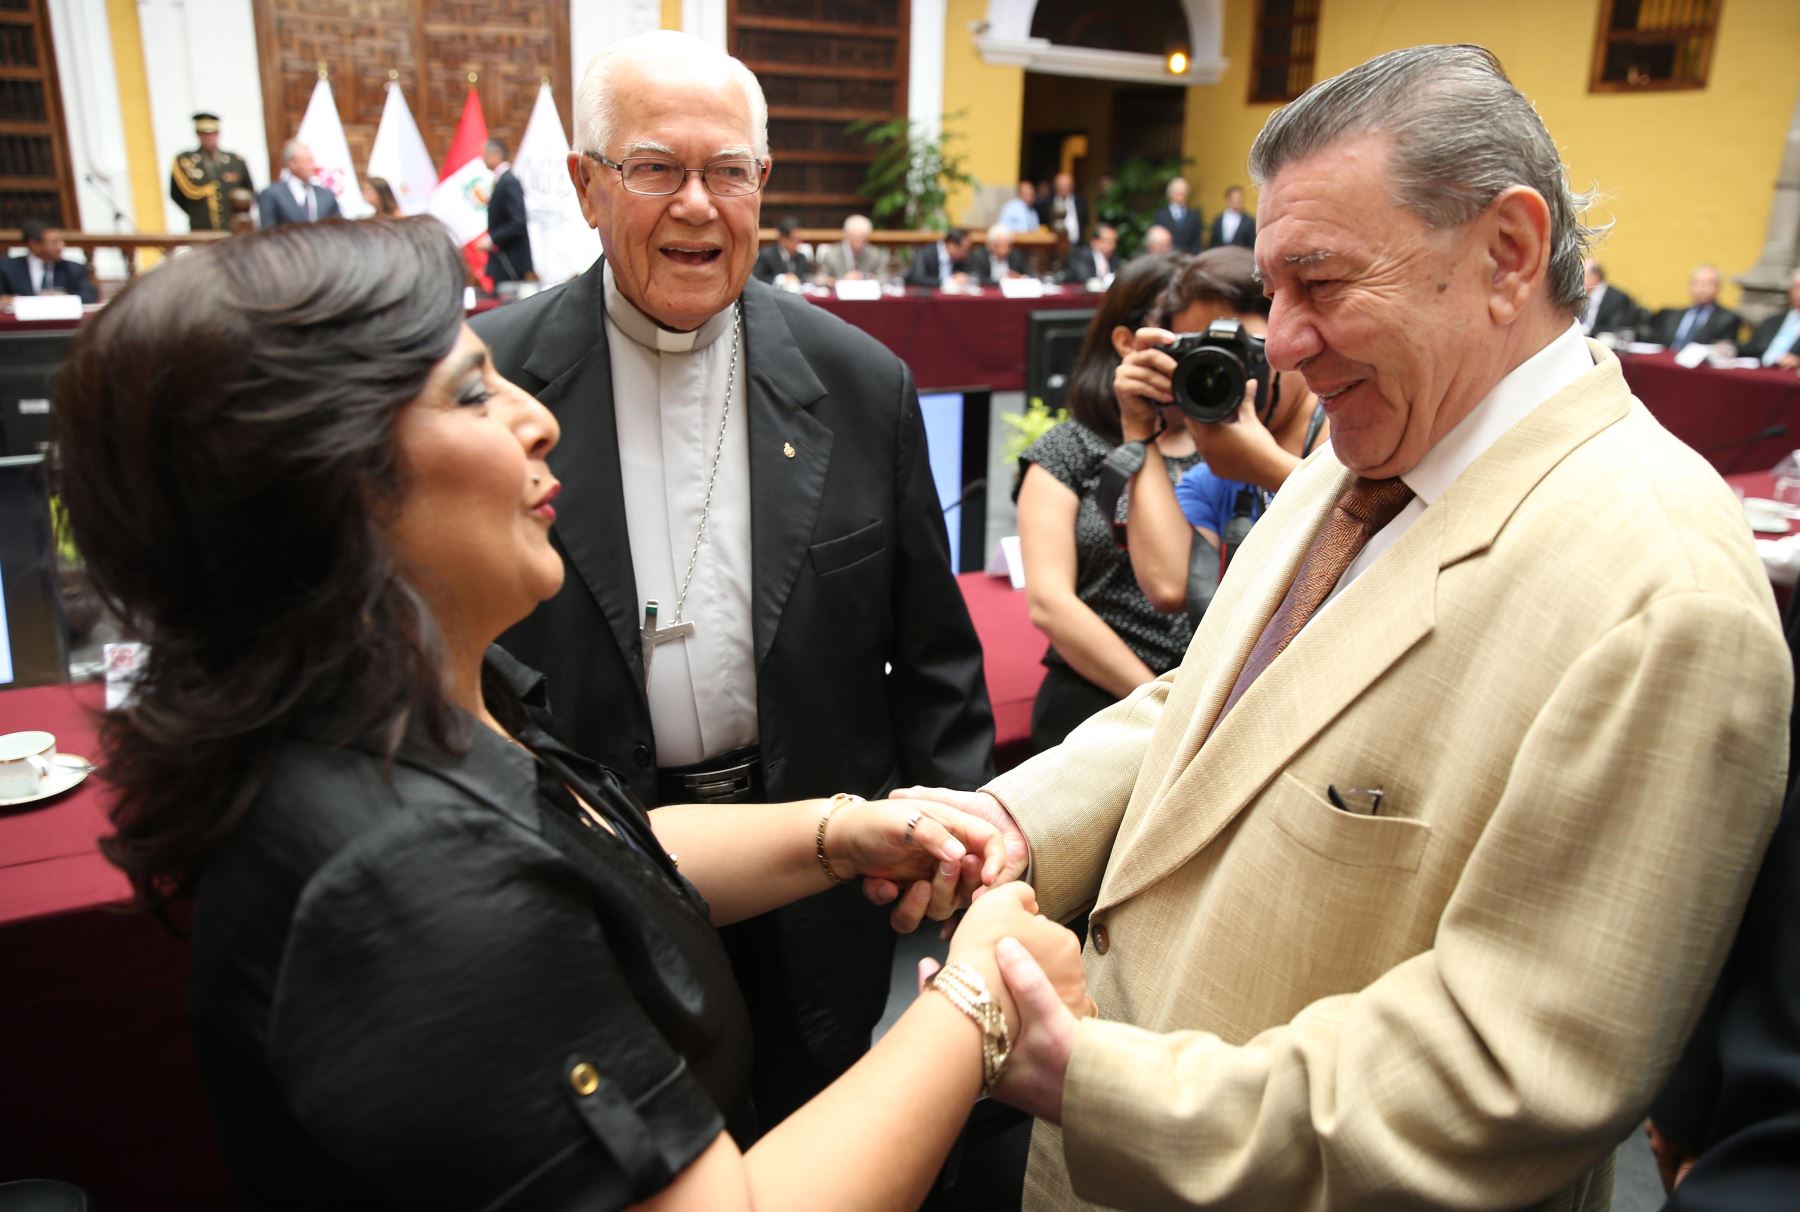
(1210, 502)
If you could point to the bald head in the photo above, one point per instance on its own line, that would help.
(646, 61)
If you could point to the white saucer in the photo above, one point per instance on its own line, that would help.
(65, 773)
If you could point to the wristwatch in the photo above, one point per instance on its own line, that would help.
(1125, 461)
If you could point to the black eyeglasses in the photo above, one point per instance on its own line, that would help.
(659, 176)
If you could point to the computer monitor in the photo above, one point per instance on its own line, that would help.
(34, 643)
(1052, 344)
(28, 361)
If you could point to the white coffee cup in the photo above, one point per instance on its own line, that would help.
(26, 759)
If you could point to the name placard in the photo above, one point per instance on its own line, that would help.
(1021, 288)
(862, 290)
(47, 307)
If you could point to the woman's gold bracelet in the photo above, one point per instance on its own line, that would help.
(840, 800)
(968, 993)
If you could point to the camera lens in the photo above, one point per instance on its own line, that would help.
(1208, 384)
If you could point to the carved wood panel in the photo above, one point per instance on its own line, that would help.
(432, 45)
(36, 179)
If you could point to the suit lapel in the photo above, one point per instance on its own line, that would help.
(785, 490)
(1383, 615)
(571, 369)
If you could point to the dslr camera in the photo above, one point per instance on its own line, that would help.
(1211, 368)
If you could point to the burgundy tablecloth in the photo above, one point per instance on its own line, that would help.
(953, 341)
(98, 1083)
(1709, 408)
(1012, 651)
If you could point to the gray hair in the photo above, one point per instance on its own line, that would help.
(1460, 134)
(292, 148)
(659, 52)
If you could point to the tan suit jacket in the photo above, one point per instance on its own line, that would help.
(1569, 679)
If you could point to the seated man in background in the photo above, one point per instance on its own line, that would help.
(1020, 212)
(1702, 321)
(782, 263)
(1093, 261)
(946, 263)
(1000, 259)
(853, 257)
(1156, 241)
(1409, 882)
(1776, 341)
(42, 270)
(1609, 309)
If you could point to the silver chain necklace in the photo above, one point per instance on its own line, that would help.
(654, 635)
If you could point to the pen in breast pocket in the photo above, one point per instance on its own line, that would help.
(1359, 801)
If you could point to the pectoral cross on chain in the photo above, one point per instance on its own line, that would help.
(654, 635)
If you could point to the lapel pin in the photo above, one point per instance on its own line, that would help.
(787, 448)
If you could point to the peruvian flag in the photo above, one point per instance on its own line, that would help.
(460, 200)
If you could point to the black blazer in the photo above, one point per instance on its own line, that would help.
(1721, 325)
(510, 260)
(397, 964)
(1082, 265)
(850, 574)
(981, 264)
(70, 277)
(1186, 229)
(1617, 310)
(1243, 237)
(772, 262)
(1046, 206)
(1764, 335)
(276, 205)
(927, 265)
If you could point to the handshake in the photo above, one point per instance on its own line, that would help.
(934, 853)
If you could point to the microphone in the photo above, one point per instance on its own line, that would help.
(978, 484)
(1749, 439)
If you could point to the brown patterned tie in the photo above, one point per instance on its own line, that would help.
(1365, 507)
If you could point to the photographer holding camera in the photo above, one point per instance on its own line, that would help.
(1251, 427)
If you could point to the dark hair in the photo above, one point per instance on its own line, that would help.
(34, 230)
(1224, 275)
(1126, 302)
(227, 436)
(386, 205)
(789, 225)
(957, 235)
(497, 144)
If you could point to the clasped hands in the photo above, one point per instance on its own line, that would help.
(931, 852)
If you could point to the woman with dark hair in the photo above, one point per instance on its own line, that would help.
(379, 194)
(440, 960)
(1248, 457)
(1108, 633)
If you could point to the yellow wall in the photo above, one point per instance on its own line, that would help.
(148, 177)
(992, 101)
(671, 14)
(1686, 176)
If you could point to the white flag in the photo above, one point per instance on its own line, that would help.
(321, 131)
(460, 200)
(562, 244)
(399, 156)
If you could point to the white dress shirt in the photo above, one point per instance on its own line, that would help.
(302, 192)
(1513, 398)
(39, 272)
(668, 392)
(1228, 225)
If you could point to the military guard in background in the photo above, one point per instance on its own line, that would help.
(201, 179)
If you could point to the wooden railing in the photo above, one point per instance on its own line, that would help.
(129, 245)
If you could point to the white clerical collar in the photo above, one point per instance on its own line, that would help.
(1513, 398)
(647, 332)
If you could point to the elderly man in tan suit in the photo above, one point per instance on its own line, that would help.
(1410, 881)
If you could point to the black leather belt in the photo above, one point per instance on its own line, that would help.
(728, 778)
